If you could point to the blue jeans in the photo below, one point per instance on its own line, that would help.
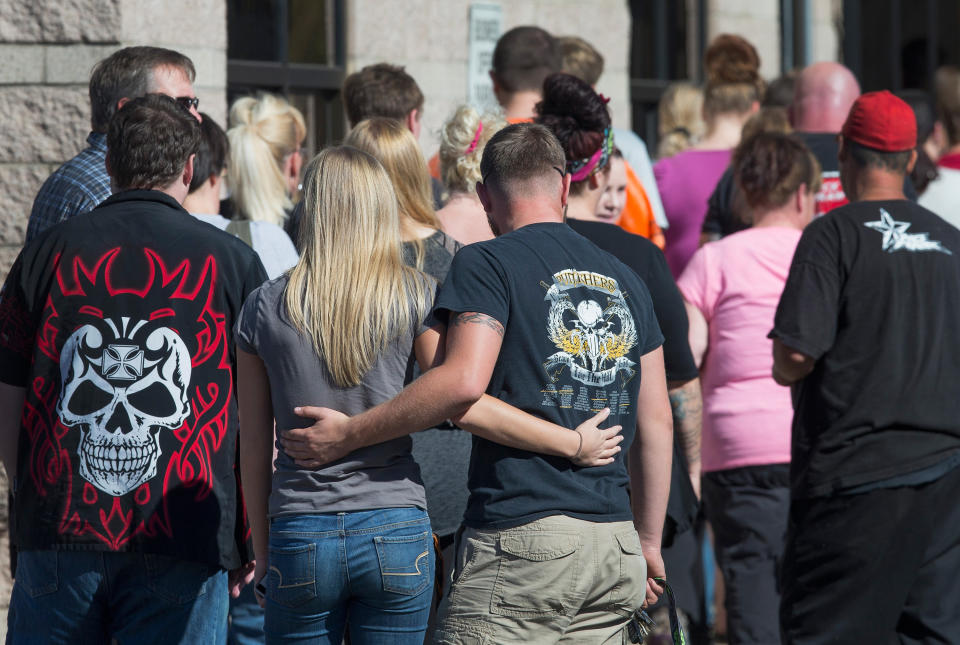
(97, 598)
(371, 571)
(246, 619)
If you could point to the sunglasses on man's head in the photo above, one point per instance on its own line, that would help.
(187, 102)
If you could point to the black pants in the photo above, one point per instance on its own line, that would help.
(878, 567)
(747, 509)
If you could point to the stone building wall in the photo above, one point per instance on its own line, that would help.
(49, 46)
(47, 49)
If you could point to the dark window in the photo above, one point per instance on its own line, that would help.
(662, 47)
(252, 32)
(898, 44)
(794, 34)
(294, 48)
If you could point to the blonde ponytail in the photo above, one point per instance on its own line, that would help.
(264, 131)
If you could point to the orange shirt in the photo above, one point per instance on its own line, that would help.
(637, 216)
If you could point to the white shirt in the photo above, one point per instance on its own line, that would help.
(634, 152)
(942, 195)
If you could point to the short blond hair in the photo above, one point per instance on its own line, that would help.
(459, 164)
(580, 59)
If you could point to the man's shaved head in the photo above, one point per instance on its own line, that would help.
(822, 97)
(523, 178)
(522, 156)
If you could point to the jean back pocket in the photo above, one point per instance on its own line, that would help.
(291, 577)
(38, 572)
(179, 582)
(405, 562)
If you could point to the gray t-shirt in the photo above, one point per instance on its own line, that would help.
(384, 475)
(443, 453)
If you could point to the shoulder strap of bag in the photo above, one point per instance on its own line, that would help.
(241, 228)
(450, 244)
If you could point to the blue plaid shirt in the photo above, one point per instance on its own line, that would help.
(75, 187)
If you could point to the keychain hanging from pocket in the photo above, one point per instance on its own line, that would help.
(641, 625)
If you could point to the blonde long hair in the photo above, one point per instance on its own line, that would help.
(351, 291)
(263, 132)
(396, 148)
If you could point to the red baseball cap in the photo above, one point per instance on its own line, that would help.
(881, 121)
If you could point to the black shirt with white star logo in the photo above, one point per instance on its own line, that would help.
(873, 295)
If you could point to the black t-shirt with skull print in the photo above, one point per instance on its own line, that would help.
(873, 295)
(119, 325)
(576, 322)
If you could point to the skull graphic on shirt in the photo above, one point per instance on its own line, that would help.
(122, 385)
(594, 340)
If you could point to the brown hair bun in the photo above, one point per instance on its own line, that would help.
(731, 59)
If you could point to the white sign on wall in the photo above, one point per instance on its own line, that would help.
(485, 22)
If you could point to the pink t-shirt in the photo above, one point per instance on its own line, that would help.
(685, 182)
(736, 283)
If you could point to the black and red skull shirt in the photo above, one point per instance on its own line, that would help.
(119, 325)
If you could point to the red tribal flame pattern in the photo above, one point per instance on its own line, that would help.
(186, 298)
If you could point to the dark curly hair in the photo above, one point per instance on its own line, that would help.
(575, 113)
(149, 141)
(770, 166)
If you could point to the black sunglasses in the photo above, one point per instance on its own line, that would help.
(187, 102)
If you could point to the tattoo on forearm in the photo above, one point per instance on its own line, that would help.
(479, 319)
(687, 406)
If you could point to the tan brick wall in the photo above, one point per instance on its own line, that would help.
(51, 21)
(44, 44)
(756, 20)
(430, 38)
(827, 21)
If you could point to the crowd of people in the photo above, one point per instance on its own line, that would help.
(505, 394)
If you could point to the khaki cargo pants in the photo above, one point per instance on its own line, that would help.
(554, 580)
